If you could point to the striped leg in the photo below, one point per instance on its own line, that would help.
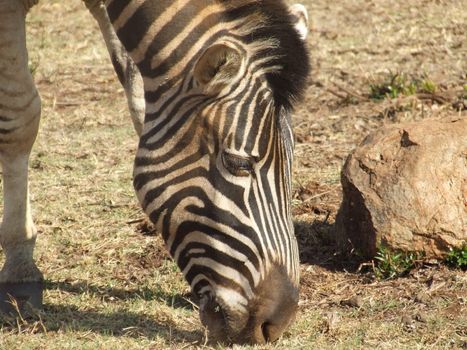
(19, 121)
(126, 70)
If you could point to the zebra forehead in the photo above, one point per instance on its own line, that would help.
(270, 33)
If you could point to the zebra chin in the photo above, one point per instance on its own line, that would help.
(262, 319)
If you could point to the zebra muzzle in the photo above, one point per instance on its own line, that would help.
(264, 317)
(212, 316)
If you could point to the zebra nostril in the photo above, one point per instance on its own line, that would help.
(277, 308)
(266, 331)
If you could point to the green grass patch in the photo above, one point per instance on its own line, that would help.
(394, 85)
(457, 257)
(391, 264)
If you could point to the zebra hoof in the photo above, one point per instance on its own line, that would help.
(21, 297)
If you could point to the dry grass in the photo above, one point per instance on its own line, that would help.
(110, 287)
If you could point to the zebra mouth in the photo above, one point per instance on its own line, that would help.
(205, 300)
(212, 316)
(224, 325)
(208, 304)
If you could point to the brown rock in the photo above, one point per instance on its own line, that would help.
(405, 187)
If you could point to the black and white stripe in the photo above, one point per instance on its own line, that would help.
(213, 169)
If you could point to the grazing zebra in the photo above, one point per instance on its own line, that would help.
(213, 166)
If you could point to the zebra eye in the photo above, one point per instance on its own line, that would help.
(237, 165)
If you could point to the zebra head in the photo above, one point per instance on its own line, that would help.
(213, 169)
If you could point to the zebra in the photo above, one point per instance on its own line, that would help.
(214, 160)
(20, 110)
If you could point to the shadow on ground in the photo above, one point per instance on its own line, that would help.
(177, 301)
(122, 322)
(317, 246)
(117, 323)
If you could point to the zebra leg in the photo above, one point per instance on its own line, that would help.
(126, 70)
(19, 121)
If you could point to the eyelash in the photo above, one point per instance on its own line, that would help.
(237, 165)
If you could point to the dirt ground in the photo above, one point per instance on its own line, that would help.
(109, 286)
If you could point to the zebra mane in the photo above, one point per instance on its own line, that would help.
(271, 28)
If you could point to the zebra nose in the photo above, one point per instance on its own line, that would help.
(266, 332)
(271, 328)
(267, 316)
(275, 309)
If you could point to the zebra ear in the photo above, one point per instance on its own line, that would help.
(217, 67)
(300, 19)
